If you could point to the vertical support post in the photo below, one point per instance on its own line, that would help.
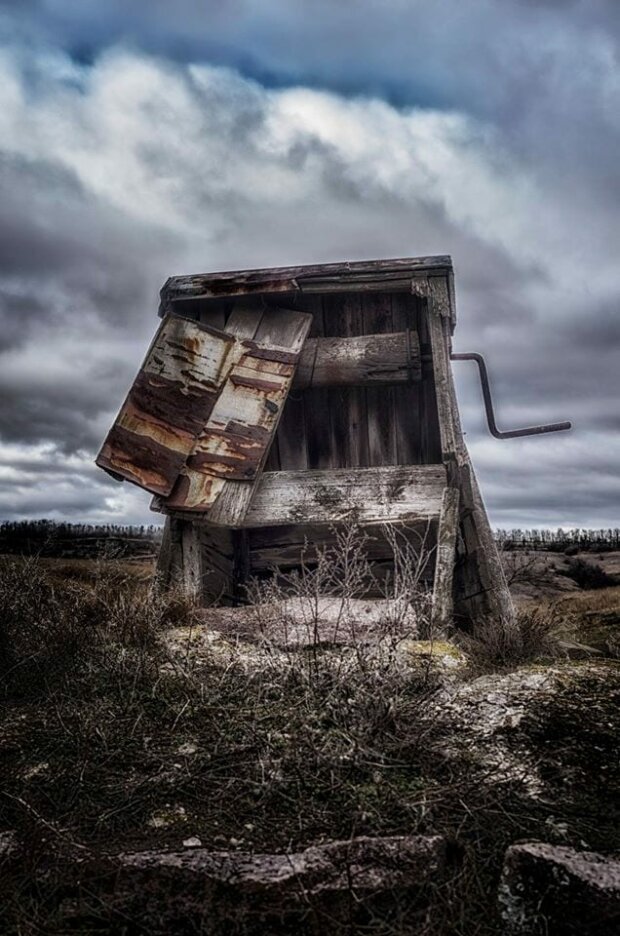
(443, 604)
(180, 563)
(191, 577)
(164, 557)
(482, 589)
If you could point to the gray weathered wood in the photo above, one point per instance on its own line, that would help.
(316, 400)
(191, 579)
(481, 589)
(164, 557)
(360, 361)
(283, 546)
(295, 427)
(324, 277)
(366, 495)
(442, 372)
(218, 564)
(346, 414)
(408, 406)
(378, 321)
(284, 330)
(443, 608)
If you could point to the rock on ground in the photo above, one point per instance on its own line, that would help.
(325, 888)
(552, 890)
(361, 864)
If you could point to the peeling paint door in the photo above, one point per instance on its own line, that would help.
(168, 405)
(203, 410)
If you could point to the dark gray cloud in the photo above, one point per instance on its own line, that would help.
(481, 56)
(118, 169)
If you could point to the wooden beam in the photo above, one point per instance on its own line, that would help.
(442, 610)
(191, 579)
(364, 495)
(322, 277)
(481, 590)
(163, 567)
(362, 361)
(442, 373)
(283, 547)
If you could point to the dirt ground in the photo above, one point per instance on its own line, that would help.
(130, 723)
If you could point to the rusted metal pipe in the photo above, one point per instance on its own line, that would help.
(488, 404)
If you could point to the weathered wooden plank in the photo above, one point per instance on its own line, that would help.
(291, 442)
(360, 284)
(163, 567)
(480, 588)
(408, 412)
(430, 440)
(440, 297)
(195, 483)
(217, 564)
(317, 408)
(442, 373)
(366, 495)
(347, 405)
(191, 578)
(378, 320)
(443, 608)
(243, 321)
(280, 332)
(374, 359)
(326, 277)
(235, 440)
(168, 404)
(283, 546)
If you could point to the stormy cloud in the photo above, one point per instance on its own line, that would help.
(134, 146)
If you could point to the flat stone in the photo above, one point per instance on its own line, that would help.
(559, 891)
(332, 888)
(364, 864)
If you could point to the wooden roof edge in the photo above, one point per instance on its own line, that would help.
(293, 278)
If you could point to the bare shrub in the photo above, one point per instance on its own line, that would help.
(529, 569)
(537, 633)
(587, 575)
(321, 604)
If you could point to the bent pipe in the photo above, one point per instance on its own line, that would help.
(488, 404)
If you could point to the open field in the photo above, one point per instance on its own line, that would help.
(129, 723)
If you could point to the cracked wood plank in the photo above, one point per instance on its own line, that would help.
(230, 452)
(324, 277)
(168, 405)
(363, 495)
(361, 360)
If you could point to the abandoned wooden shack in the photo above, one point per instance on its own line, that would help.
(274, 404)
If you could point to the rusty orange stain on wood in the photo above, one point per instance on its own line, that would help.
(168, 405)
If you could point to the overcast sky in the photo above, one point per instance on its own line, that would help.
(144, 139)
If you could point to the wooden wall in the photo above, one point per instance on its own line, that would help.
(338, 427)
(351, 427)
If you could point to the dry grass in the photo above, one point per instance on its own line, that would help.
(54, 630)
(540, 632)
(600, 600)
(111, 742)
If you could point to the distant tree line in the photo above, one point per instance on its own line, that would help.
(67, 540)
(576, 540)
(53, 538)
